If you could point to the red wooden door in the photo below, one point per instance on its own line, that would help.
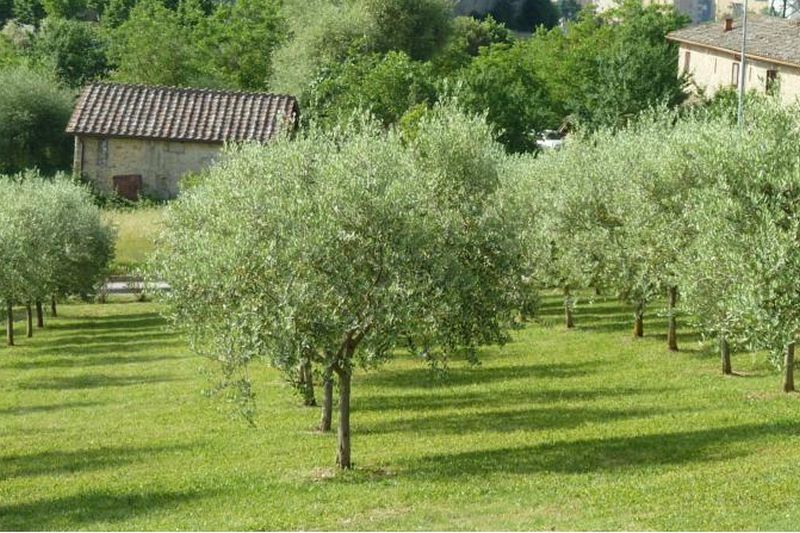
(128, 186)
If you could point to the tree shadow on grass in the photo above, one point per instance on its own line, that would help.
(584, 308)
(70, 462)
(92, 360)
(597, 455)
(93, 381)
(424, 377)
(83, 510)
(446, 399)
(21, 411)
(125, 345)
(129, 322)
(509, 420)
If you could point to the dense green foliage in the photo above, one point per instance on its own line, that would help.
(387, 85)
(34, 112)
(52, 240)
(74, 50)
(504, 82)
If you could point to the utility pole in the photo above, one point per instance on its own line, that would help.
(742, 68)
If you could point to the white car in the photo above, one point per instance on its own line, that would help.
(549, 140)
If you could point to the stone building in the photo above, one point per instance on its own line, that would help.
(139, 140)
(711, 55)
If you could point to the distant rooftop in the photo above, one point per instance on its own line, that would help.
(180, 114)
(770, 38)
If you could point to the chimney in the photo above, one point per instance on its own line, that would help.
(727, 23)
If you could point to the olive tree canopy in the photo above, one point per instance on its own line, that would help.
(342, 247)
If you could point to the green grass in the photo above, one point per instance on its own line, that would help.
(137, 230)
(103, 427)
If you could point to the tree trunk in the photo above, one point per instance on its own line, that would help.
(638, 320)
(327, 402)
(725, 353)
(569, 320)
(788, 363)
(672, 330)
(53, 306)
(343, 454)
(307, 384)
(39, 314)
(10, 323)
(29, 323)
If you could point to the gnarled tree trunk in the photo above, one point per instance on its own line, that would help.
(725, 354)
(29, 323)
(343, 453)
(307, 384)
(638, 320)
(53, 306)
(569, 320)
(9, 323)
(39, 314)
(672, 328)
(327, 402)
(788, 363)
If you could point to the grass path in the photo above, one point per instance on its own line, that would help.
(103, 426)
(137, 230)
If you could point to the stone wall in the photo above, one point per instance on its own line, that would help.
(160, 164)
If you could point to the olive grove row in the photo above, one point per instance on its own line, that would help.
(335, 249)
(52, 243)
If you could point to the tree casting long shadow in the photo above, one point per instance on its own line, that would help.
(593, 455)
(93, 381)
(53, 461)
(508, 420)
(83, 510)
(439, 398)
(423, 377)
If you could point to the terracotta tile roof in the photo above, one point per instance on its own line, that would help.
(169, 113)
(769, 38)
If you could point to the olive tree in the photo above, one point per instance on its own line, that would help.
(53, 242)
(343, 247)
(750, 234)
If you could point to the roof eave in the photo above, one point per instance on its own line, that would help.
(783, 62)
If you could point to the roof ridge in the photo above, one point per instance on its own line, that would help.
(176, 88)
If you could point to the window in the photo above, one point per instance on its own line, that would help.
(102, 153)
(687, 61)
(772, 81)
(735, 74)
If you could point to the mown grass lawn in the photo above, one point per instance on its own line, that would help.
(103, 426)
(137, 230)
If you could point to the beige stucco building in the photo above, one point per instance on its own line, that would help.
(139, 141)
(697, 10)
(735, 8)
(711, 55)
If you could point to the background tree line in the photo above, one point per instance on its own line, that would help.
(391, 58)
